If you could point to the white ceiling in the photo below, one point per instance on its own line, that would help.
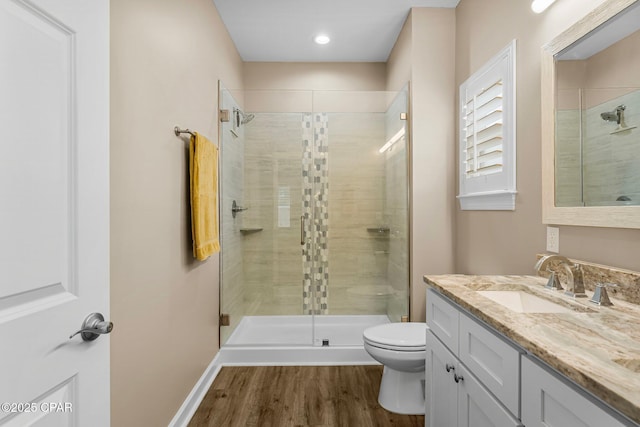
(283, 30)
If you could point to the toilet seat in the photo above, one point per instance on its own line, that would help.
(397, 336)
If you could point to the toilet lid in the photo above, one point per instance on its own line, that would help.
(398, 336)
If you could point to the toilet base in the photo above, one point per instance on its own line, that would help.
(402, 392)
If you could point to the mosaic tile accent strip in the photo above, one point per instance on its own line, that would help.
(307, 194)
(315, 209)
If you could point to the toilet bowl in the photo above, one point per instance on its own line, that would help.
(400, 347)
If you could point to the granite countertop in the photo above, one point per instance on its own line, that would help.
(597, 347)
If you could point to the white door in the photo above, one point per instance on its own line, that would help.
(54, 211)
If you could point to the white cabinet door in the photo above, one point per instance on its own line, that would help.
(477, 407)
(549, 402)
(441, 394)
(492, 360)
(454, 397)
(54, 211)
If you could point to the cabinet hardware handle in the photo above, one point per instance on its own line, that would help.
(457, 378)
(450, 368)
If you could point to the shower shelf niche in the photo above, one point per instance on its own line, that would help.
(380, 230)
(250, 230)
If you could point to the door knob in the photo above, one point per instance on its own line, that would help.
(93, 326)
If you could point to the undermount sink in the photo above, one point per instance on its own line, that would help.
(524, 302)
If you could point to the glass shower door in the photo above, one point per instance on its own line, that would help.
(261, 285)
(360, 217)
(321, 251)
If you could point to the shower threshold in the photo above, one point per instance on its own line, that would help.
(299, 340)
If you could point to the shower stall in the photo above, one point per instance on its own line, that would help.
(314, 214)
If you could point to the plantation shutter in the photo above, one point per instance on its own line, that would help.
(487, 136)
(484, 131)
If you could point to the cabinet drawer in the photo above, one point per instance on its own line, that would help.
(548, 401)
(492, 360)
(442, 318)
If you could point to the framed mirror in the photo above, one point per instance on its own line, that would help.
(591, 120)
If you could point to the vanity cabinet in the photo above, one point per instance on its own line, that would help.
(548, 401)
(455, 398)
(472, 375)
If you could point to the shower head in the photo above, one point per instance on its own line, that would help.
(616, 115)
(246, 118)
(609, 116)
(242, 118)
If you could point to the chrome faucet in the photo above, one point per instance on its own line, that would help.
(575, 279)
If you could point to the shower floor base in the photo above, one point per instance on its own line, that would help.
(298, 340)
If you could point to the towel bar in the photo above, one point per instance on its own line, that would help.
(179, 131)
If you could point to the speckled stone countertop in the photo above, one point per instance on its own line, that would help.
(597, 347)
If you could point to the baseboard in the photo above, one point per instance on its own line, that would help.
(193, 400)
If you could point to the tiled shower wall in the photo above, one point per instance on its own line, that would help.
(568, 164)
(357, 257)
(611, 162)
(351, 266)
(273, 188)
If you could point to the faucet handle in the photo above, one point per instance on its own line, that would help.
(578, 280)
(553, 282)
(600, 296)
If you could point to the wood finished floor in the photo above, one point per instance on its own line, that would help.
(296, 396)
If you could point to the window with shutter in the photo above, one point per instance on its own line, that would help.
(487, 136)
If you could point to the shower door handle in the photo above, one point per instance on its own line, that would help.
(302, 229)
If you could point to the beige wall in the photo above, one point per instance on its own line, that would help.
(398, 71)
(616, 66)
(314, 76)
(506, 242)
(166, 58)
(430, 67)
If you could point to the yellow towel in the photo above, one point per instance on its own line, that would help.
(203, 167)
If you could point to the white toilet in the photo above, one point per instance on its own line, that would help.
(400, 347)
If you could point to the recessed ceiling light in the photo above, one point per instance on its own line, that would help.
(321, 39)
(538, 6)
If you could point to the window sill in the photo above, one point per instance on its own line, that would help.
(489, 201)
